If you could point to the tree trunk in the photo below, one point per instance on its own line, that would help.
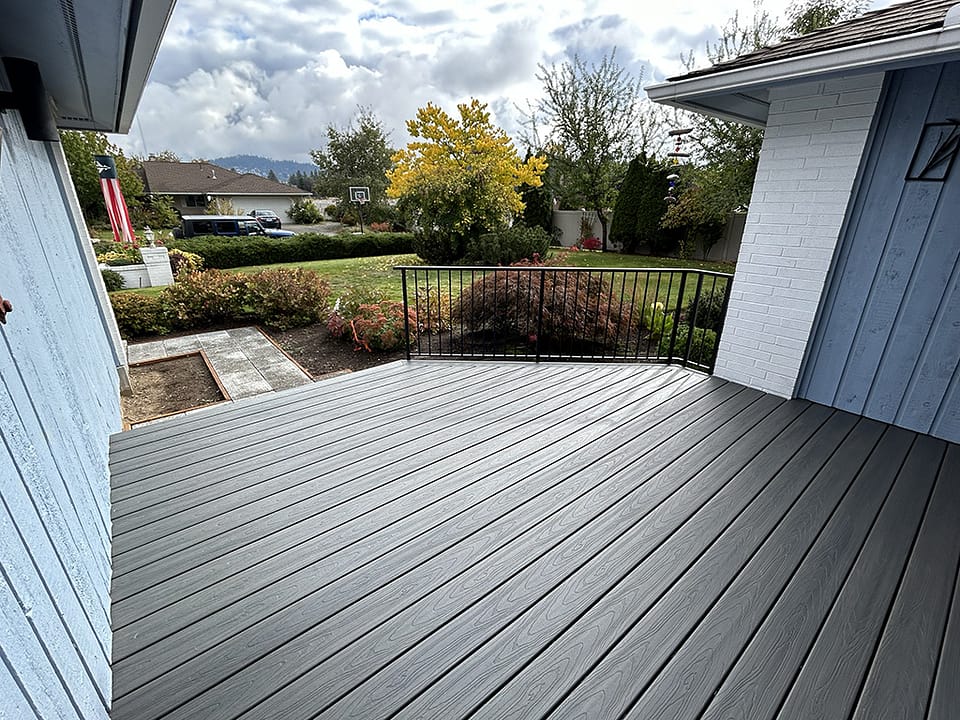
(603, 228)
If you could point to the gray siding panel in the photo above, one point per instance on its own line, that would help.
(887, 341)
(58, 406)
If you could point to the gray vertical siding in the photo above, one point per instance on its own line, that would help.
(58, 406)
(887, 342)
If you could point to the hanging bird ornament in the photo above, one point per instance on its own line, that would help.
(678, 135)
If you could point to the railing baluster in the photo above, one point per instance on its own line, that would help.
(534, 327)
(543, 277)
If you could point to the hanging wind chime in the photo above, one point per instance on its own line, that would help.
(678, 136)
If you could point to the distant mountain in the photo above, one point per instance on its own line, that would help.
(262, 166)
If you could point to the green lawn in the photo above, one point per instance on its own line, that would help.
(377, 273)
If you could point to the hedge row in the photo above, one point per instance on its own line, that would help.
(281, 298)
(230, 252)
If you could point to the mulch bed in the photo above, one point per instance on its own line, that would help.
(320, 353)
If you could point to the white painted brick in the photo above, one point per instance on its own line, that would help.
(811, 102)
(773, 165)
(807, 170)
(775, 207)
(804, 89)
(829, 161)
(843, 112)
(805, 129)
(836, 139)
(787, 153)
(853, 123)
(825, 185)
(780, 219)
(853, 83)
(794, 141)
(791, 184)
(867, 99)
(782, 120)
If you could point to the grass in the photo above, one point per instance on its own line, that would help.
(377, 273)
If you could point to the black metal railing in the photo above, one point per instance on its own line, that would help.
(565, 313)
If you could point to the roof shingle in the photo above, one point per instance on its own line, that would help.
(202, 178)
(895, 21)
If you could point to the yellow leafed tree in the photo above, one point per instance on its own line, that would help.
(458, 178)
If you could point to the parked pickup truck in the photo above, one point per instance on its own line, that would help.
(228, 225)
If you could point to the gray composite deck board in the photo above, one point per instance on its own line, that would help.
(564, 541)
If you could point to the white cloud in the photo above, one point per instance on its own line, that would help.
(266, 78)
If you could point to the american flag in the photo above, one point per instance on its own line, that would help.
(116, 205)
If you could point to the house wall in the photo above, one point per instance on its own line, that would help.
(245, 203)
(887, 339)
(815, 137)
(59, 403)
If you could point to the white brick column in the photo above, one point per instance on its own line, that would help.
(815, 137)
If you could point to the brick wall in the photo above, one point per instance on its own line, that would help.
(815, 136)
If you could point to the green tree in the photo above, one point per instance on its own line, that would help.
(537, 204)
(356, 155)
(458, 178)
(640, 204)
(79, 147)
(271, 175)
(590, 115)
(805, 17)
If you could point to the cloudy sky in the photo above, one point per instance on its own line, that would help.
(266, 77)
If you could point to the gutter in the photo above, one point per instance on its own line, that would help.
(888, 54)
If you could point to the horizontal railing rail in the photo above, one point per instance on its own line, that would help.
(547, 312)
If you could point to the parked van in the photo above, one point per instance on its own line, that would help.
(227, 225)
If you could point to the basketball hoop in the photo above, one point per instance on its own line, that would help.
(361, 196)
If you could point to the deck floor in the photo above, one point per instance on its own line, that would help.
(452, 540)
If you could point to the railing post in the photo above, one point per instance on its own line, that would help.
(406, 310)
(693, 320)
(543, 275)
(676, 315)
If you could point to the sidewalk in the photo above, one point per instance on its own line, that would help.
(244, 359)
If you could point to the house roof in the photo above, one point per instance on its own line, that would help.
(202, 178)
(903, 35)
(94, 56)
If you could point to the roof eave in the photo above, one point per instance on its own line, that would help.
(143, 43)
(711, 93)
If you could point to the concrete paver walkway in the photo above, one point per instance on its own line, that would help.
(245, 360)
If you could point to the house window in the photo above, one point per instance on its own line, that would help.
(196, 201)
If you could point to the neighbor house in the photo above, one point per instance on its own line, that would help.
(847, 290)
(193, 185)
(79, 65)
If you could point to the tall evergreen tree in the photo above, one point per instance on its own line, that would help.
(271, 175)
(640, 204)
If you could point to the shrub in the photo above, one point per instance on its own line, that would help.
(120, 256)
(230, 252)
(183, 262)
(709, 309)
(433, 311)
(439, 246)
(379, 327)
(508, 246)
(305, 212)
(287, 297)
(380, 227)
(703, 350)
(206, 298)
(104, 246)
(577, 307)
(140, 315)
(112, 280)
